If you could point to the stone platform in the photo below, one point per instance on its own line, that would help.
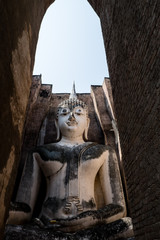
(118, 230)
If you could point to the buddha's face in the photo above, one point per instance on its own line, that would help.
(72, 122)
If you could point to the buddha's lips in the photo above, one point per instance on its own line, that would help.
(71, 123)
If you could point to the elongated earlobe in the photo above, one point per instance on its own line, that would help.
(58, 130)
(86, 130)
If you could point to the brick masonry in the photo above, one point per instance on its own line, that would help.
(131, 37)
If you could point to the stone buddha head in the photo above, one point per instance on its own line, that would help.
(72, 118)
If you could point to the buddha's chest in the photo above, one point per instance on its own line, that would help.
(71, 169)
(70, 162)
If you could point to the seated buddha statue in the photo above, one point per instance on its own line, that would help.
(83, 184)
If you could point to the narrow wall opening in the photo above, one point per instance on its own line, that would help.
(70, 47)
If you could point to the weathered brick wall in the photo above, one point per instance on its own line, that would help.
(131, 36)
(19, 27)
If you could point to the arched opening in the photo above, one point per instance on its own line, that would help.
(70, 47)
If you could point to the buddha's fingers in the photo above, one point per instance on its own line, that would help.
(72, 225)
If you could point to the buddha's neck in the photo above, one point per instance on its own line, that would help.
(71, 140)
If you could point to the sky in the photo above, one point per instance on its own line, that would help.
(70, 47)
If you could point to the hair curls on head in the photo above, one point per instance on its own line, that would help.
(71, 103)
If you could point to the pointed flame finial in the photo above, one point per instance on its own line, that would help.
(73, 94)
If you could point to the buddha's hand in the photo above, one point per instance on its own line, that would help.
(76, 223)
(90, 218)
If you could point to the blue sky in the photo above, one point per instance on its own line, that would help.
(70, 47)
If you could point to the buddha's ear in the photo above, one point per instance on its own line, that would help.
(58, 130)
(86, 129)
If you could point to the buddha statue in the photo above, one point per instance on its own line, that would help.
(82, 178)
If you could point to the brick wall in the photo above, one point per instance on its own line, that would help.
(131, 37)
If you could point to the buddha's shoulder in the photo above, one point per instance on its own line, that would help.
(47, 147)
(95, 150)
(48, 150)
(96, 146)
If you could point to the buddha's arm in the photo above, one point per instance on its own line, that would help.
(112, 187)
(21, 211)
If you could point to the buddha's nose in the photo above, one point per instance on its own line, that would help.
(71, 117)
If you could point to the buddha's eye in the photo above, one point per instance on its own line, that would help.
(79, 111)
(64, 111)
